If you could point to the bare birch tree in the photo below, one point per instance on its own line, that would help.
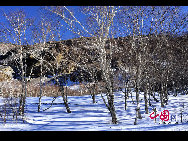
(103, 17)
(15, 31)
(44, 34)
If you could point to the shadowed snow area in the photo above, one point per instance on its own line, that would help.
(88, 116)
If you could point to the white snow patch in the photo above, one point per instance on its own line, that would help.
(88, 116)
(74, 87)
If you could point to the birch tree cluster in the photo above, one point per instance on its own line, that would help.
(140, 49)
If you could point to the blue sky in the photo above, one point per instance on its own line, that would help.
(33, 11)
(30, 10)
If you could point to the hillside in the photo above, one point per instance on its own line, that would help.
(80, 55)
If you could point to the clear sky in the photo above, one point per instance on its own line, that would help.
(30, 10)
(33, 11)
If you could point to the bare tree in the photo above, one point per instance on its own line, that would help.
(15, 31)
(103, 17)
(45, 34)
(42, 34)
(165, 22)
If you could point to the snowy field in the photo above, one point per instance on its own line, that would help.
(87, 116)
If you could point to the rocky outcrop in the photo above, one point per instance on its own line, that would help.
(76, 57)
(6, 73)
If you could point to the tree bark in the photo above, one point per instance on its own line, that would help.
(161, 95)
(126, 94)
(40, 95)
(93, 95)
(65, 99)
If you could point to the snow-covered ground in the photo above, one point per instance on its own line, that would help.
(88, 116)
(74, 87)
